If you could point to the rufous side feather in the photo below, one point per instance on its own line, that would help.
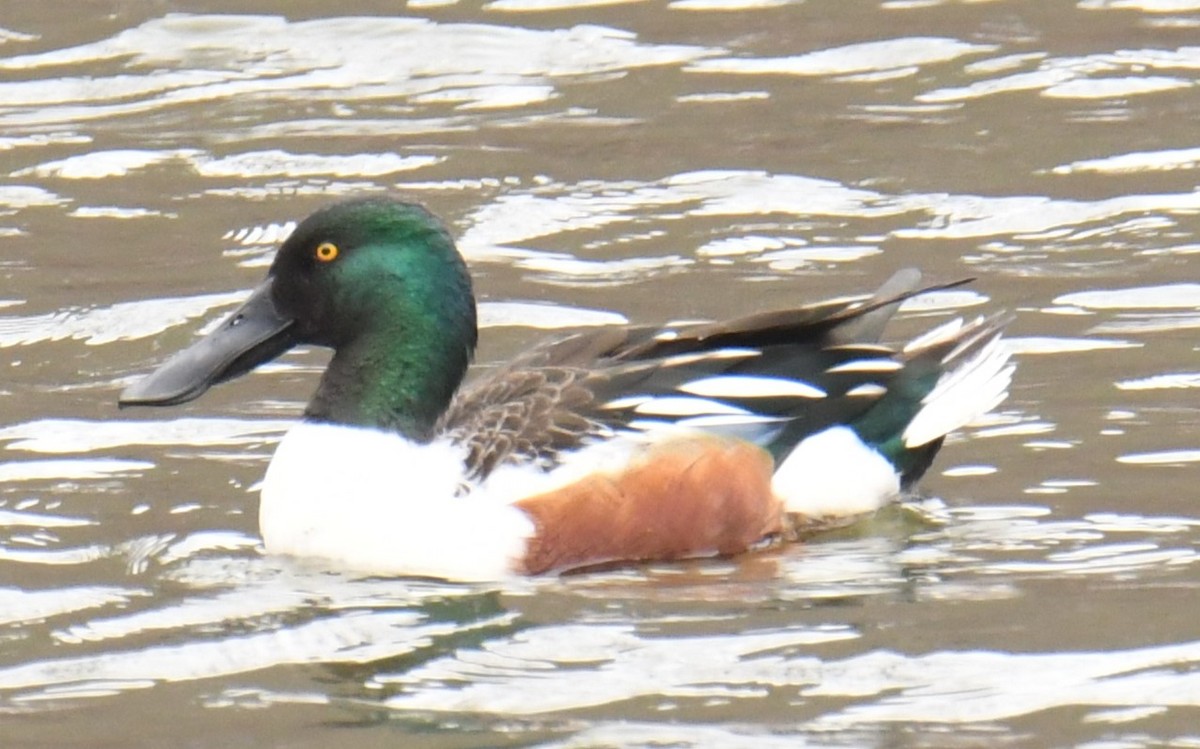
(686, 497)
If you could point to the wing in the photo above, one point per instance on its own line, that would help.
(769, 378)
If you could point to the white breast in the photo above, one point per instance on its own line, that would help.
(375, 502)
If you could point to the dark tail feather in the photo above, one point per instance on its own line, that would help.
(868, 328)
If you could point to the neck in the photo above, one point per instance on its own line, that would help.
(399, 383)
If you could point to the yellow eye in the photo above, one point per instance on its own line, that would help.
(326, 252)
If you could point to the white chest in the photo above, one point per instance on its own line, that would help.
(375, 502)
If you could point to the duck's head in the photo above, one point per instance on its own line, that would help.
(379, 281)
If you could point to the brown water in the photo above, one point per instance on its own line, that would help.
(607, 161)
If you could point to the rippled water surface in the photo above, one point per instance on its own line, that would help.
(602, 162)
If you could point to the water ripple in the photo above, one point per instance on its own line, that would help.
(1089, 76)
(532, 673)
(358, 638)
(124, 321)
(58, 436)
(19, 605)
(544, 669)
(906, 54)
(272, 163)
(184, 59)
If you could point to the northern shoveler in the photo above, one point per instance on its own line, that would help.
(615, 444)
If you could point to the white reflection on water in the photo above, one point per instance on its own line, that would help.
(24, 196)
(245, 594)
(124, 321)
(1142, 161)
(96, 468)
(571, 271)
(282, 163)
(288, 615)
(1116, 73)
(1175, 381)
(1120, 73)
(969, 471)
(1149, 6)
(990, 542)
(1161, 457)
(189, 59)
(269, 234)
(359, 637)
(20, 605)
(971, 686)
(1163, 296)
(973, 217)
(630, 734)
(801, 257)
(1026, 345)
(283, 615)
(104, 164)
(59, 436)
(511, 228)
(117, 212)
(873, 565)
(524, 6)
(574, 667)
(272, 163)
(8, 35)
(890, 54)
(1149, 323)
(1109, 88)
(502, 229)
(19, 518)
(40, 140)
(1143, 305)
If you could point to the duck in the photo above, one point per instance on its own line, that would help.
(618, 444)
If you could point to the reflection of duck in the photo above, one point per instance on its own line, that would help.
(619, 443)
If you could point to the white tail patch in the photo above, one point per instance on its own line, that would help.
(750, 386)
(963, 394)
(833, 474)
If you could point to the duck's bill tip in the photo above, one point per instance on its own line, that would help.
(185, 376)
(155, 390)
(253, 334)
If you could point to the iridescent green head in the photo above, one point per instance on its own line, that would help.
(377, 280)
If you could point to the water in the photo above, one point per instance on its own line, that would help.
(603, 162)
